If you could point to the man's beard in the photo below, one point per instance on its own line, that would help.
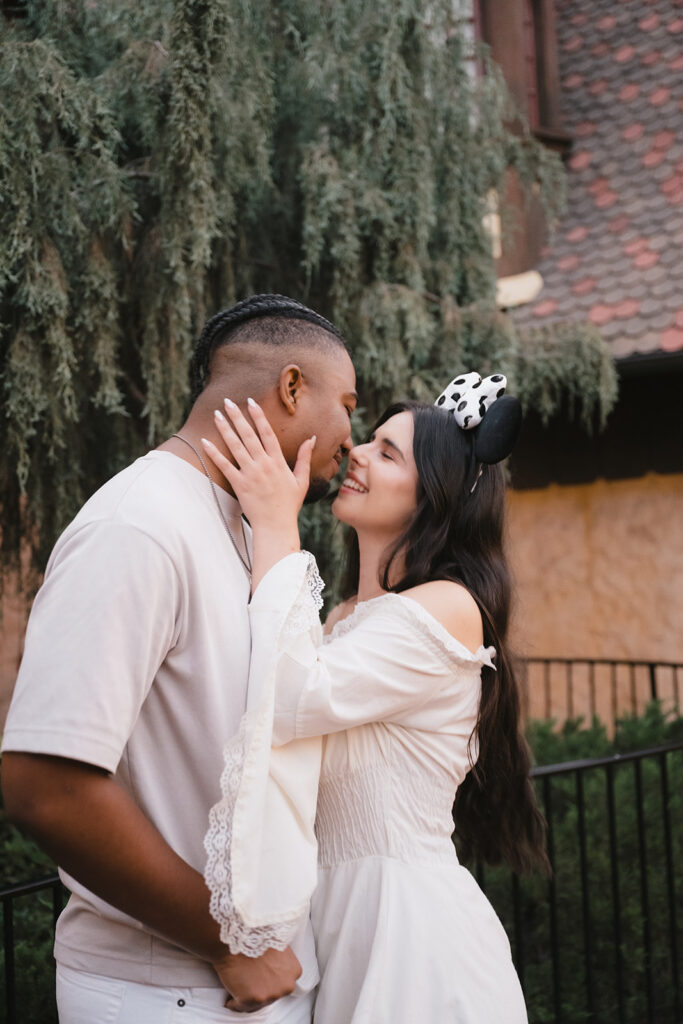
(317, 490)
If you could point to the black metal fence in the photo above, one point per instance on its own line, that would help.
(26, 947)
(564, 688)
(599, 941)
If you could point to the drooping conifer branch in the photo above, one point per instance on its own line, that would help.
(160, 160)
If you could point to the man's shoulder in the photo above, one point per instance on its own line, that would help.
(147, 496)
(153, 480)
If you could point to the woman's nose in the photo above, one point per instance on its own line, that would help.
(357, 453)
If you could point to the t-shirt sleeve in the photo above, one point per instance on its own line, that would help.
(101, 625)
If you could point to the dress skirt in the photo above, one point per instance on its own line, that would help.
(405, 943)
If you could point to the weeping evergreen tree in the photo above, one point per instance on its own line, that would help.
(158, 161)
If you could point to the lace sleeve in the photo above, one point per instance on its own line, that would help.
(261, 852)
(235, 931)
(304, 614)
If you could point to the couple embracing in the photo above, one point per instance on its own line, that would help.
(254, 815)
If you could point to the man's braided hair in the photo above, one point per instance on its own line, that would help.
(218, 329)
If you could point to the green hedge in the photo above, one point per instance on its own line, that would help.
(22, 861)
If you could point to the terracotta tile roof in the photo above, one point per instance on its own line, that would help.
(617, 257)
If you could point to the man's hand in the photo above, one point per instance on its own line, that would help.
(253, 982)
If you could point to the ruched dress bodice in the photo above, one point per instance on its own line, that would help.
(384, 809)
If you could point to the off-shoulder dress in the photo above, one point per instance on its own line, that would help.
(339, 791)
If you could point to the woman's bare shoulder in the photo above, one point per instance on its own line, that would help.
(338, 613)
(453, 606)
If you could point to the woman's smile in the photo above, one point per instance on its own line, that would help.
(352, 483)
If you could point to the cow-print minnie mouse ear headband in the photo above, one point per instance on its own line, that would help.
(482, 406)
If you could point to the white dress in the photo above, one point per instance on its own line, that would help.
(403, 932)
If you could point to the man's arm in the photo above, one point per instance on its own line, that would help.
(97, 834)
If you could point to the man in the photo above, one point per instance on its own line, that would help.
(134, 677)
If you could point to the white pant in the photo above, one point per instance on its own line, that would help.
(93, 999)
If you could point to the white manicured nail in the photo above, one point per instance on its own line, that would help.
(230, 404)
(250, 401)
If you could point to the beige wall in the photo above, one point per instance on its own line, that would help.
(599, 569)
(599, 574)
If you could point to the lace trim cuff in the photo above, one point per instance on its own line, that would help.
(218, 873)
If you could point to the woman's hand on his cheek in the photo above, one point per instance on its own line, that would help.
(269, 492)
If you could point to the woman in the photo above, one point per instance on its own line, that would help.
(415, 696)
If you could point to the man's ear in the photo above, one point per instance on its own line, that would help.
(290, 386)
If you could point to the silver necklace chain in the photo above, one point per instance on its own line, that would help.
(246, 563)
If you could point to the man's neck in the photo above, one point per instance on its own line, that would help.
(195, 427)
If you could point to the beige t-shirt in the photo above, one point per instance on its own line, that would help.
(136, 660)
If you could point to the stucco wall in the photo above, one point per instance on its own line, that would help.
(599, 574)
(599, 569)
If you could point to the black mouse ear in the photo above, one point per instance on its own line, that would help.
(497, 433)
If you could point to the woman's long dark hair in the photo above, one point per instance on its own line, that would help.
(457, 534)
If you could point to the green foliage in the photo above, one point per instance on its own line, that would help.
(575, 741)
(160, 160)
(547, 381)
(23, 861)
(34, 963)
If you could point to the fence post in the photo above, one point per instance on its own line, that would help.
(8, 941)
(671, 887)
(585, 902)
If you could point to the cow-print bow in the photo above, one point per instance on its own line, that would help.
(482, 403)
(469, 397)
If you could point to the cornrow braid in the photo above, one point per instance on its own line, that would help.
(218, 329)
